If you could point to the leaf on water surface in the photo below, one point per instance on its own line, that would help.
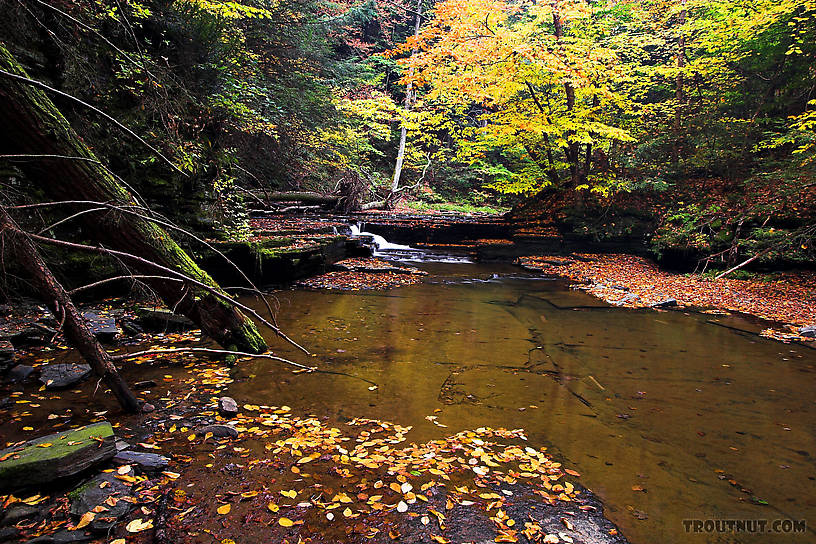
(224, 509)
(285, 522)
(402, 507)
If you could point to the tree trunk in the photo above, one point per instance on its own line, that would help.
(572, 151)
(409, 101)
(679, 92)
(32, 124)
(76, 330)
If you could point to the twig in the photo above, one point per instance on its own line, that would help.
(117, 278)
(213, 351)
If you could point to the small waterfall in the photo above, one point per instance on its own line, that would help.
(397, 252)
(379, 242)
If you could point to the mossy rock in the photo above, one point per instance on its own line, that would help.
(35, 465)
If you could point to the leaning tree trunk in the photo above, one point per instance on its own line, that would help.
(60, 304)
(32, 124)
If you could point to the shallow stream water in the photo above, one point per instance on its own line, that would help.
(668, 416)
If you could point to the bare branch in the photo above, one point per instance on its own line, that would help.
(213, 351)
(215, 292)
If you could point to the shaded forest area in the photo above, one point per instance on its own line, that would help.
(684, 127)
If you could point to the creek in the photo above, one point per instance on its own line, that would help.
(668, 416)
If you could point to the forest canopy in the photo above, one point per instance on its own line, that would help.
(497, 100)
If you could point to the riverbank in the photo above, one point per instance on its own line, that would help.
(785, 298)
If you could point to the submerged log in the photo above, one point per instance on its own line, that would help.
(32, 124)
(76, 329)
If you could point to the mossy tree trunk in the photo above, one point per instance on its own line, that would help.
(32, 124)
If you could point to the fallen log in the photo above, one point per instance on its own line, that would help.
(33, 125)
(54, 295)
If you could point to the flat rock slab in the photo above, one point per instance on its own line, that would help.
(35, 465)
(62, 375)
(105, 493)
(146, 461)
(104, 328)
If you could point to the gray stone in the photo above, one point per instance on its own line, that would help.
(35, 334)
(95, 493)
(19, 374)
(71, 452)
(227, 406)
(104, 328)
(18, 512)
(148, 462)
(219, 431)
(62, 375)
(668, 303)
(808, 332)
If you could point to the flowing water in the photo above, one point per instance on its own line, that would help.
(667, 416)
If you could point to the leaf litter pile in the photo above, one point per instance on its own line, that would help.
(635, 282)
(365, 274)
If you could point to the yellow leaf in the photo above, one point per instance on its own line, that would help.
(273, 507)
(291, 493)
(138, 525)
(347, 512)
(224, 509)
(285, 522)
(86, 518)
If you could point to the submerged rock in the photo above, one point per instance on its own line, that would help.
(219, 431)
(227, 406)
(62, 375)
(35, 464)
(668, 303)
(19, 374)
(105, 491)
(146, 461)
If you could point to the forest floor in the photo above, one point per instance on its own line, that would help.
(786, 298)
